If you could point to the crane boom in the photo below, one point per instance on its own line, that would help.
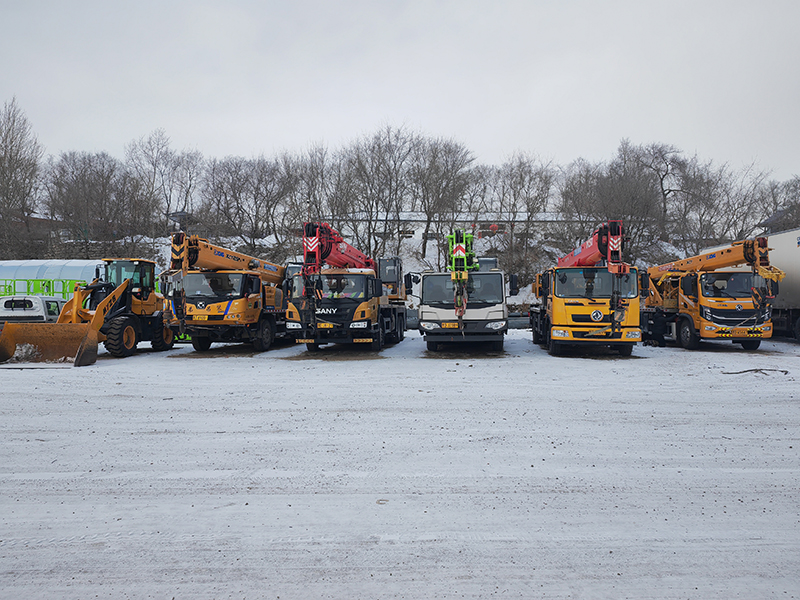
(605, 243)
(323, 245)
(753, 253)
(193, 252)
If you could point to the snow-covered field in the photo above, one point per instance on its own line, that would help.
(406, 474)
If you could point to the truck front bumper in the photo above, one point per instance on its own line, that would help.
(466, 331)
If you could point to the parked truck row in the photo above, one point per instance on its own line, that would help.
(339, 295)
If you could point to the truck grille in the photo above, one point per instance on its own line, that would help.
(735, 318)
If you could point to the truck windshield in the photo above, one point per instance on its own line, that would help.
(482, 288)
(213, 285)
(728, 285)
(338, 285)
(593, 283)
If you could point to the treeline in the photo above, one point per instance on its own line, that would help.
(376, 190)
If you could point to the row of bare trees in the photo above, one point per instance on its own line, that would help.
(379, 190)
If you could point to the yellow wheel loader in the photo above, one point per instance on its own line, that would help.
(121, 309)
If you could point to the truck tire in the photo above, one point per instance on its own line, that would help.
(266, 333)
(377, 340)
(201, 344)
(433, 346)
(554, 348)
(312, 347)
(625, 349)
(497, 345)
(687, 337)
(797, 330)
(537, 338)
(163, 340)
(121, 339)
(751, 344)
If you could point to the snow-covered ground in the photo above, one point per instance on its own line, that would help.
(406, 474)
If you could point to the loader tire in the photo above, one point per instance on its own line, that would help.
(164, 340)
(263, 340)
(201, 344)
(121, 339)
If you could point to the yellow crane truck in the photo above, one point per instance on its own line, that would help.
(705, 298)
(342, 296)
(590, 297)
(220, 295)
(120, 308)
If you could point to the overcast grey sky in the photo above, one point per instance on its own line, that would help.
(558, 79)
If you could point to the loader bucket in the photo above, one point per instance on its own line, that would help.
(40, 342)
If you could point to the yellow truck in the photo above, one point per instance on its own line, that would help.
(220, 295)
(706, 298)
(591, 297)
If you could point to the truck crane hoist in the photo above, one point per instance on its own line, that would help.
(462, 261)
(341, 295)
(707, 299)
(220, 295)
(589, 297)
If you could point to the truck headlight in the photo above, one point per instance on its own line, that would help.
(358, 325)
(706, 312)
(428, 326)
(496, 325)
(559, 333)
(293, 325)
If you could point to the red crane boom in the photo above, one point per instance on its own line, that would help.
(604, 244)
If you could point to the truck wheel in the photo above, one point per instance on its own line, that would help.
(497, 346)
(537, 339)
(401, 329)
(687, 337)
(797, 331)
(625, 349)
(263, 339)
(163, 340)
(751, 344)
(433, 346)
(377, 340)
(201, 344)
(121, 338)
(312, 347)
(554, 347)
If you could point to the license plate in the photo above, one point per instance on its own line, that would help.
(324, 325)
(450, 325)
(303, 341)
(200, 317)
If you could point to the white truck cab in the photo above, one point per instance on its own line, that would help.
(30, 309)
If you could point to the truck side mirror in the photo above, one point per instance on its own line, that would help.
(689, 285)
(513, 284)
(644, 285)
(408, 281)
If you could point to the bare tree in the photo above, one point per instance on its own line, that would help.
(170, 177)
(439, 179)
(20, 162)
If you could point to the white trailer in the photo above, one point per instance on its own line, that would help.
(785, 254)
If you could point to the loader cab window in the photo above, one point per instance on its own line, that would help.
(141, 274)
